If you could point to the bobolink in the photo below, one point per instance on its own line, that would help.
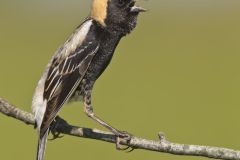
(77, 64)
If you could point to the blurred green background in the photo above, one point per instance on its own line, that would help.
(178, 72)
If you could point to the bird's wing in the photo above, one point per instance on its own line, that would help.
(63, 78)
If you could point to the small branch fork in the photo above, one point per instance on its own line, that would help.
(162, 145)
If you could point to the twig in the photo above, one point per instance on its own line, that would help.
(163, 145)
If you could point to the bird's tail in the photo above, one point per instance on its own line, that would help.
(42, 145)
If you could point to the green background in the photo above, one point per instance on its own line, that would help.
(178, 72)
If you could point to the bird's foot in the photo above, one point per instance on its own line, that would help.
(54, 128)
(55, 135)
(122, 137)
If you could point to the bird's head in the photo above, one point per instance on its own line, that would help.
(118, 16)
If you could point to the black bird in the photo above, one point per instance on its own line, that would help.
(77, 64)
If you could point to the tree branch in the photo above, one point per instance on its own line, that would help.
(163, 145)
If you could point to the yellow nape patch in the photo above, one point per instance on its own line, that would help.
(99, 10)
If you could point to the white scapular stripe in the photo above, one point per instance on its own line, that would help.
(77, 38)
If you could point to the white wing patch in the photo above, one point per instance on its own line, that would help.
(77, 38)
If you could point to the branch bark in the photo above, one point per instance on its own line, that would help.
(163, 145)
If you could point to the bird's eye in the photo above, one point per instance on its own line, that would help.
(121, 3)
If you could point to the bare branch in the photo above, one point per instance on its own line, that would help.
(163, 145)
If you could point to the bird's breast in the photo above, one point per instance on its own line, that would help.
(102, 58)
(99, 63)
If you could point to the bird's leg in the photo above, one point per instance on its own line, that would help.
(120, 135)
(53, 128)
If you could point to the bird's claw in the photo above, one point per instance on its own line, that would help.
(56, 135)
(122, 137)
(53, 128)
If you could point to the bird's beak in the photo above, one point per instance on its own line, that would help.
(136, 9)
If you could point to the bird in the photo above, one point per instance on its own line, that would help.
(78, 63)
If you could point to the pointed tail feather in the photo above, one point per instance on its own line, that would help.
(42, 146)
